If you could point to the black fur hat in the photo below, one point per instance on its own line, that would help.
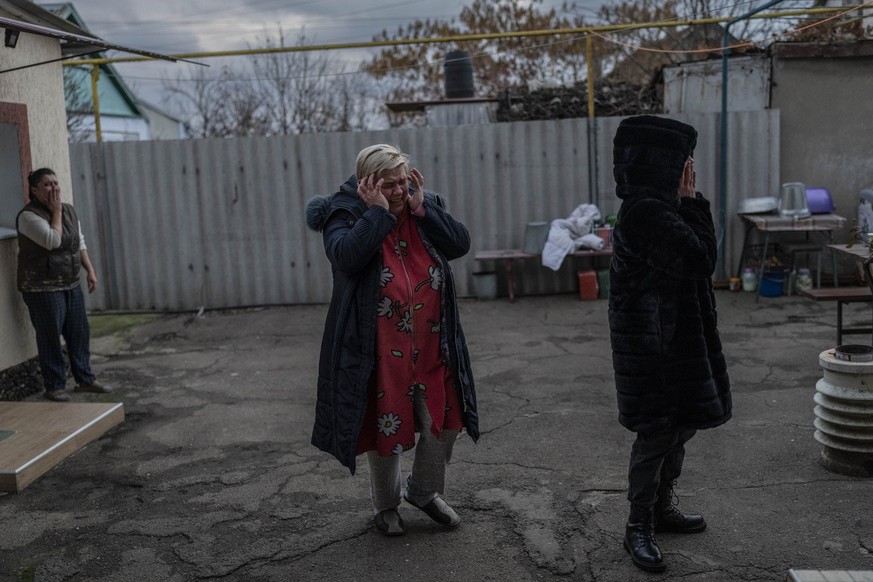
(658, 132)
(649, 154)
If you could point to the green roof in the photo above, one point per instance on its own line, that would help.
(115, 98)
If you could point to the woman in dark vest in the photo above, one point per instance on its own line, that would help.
(670, 374)
(51, 254)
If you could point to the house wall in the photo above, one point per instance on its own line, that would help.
(824, 98)
(114, 128)
(41, 89)
(826, 105)
(695, 87)
(162, 126)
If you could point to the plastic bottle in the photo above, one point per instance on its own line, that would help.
(750, 279)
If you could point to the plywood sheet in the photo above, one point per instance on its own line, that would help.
(39, 435)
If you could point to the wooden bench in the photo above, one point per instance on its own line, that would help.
(509, 256)
(843, 295)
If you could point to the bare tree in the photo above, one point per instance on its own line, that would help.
(415, 72)
(78, 103)
(638, 53)
(280, 93)
(628, 57)
(303, 91)
(222, 104)
(194, 93)
(352, 96)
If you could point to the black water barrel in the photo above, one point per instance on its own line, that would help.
(458, 75)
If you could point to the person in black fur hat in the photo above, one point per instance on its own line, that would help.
(670, 374)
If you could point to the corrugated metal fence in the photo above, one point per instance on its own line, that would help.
(180, 225)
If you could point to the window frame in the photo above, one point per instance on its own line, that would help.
(15, 114)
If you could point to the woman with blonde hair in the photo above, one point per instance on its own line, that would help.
(394, 360)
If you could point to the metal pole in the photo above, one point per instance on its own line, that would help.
(95, 75)
(722, 178)
(594, 196)
(589, 63)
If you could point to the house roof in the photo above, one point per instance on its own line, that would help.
(26, 16)
(805, 50)
(115, 96)
(29, 13)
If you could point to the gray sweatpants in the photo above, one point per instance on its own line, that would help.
(428, 476)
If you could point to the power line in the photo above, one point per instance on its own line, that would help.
(537, 46)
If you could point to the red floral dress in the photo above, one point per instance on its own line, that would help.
(408, 358)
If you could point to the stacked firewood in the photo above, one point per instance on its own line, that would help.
(614, 99)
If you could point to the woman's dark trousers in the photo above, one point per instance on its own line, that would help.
(656, 458)
(55, 314)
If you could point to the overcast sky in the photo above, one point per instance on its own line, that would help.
(174, 27)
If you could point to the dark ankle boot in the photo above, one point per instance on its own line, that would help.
(639, 539)
(668, 518)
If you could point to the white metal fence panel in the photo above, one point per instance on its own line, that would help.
(180, 225)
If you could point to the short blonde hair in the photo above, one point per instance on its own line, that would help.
(379, 158)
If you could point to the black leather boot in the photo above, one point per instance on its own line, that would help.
(639, 539)
(668, 518)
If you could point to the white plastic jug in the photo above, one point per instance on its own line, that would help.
(750, 279)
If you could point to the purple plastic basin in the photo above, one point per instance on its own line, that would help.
(819, 200)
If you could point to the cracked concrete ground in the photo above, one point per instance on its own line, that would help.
(212, 477)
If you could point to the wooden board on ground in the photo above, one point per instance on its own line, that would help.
(45, 433)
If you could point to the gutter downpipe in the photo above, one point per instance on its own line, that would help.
(722, 179)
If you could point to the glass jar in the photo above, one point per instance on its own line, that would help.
(804, 280)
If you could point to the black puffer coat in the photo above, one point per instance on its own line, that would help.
(353, 236)
(669, 368)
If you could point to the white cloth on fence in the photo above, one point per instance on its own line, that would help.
(567, 235)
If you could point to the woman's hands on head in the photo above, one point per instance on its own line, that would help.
(370, 191)
(416, 197)
(400, 190)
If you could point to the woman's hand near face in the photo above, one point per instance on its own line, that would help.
(53, 201)
(688, 182)
(416, 195)
(370, 191)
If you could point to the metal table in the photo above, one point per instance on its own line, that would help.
(774, 223)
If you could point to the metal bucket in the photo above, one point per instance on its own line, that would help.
(535, 236)
(485, 285)
(792, 201)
